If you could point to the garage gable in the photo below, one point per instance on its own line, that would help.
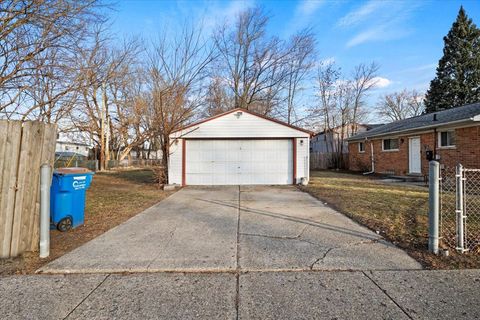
(240, 123)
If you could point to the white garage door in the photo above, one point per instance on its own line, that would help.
(239, 162)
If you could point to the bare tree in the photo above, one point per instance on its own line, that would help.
(106, 75)
(299, 64)
(401, 105)
(326, 80)
(363, 81)
(34, 36)
(217, 99)
(177, 70)
(252, 61)
(340, 105)
(53, 91)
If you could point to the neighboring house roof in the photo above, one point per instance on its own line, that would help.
(247, 111)
(371, 126)
(459, 115)
(73, 143)
(368, 126)
(68, 155)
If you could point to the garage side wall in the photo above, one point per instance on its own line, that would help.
(175, 163)
(303, 161)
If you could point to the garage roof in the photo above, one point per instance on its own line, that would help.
(249, 124)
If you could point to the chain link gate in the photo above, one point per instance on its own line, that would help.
(460, 208)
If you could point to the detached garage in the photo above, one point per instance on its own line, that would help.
(239, 147)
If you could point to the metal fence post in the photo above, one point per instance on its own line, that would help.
(45, 182)
(434, 206)
(459, 208)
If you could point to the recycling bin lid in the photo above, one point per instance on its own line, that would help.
(72, 170)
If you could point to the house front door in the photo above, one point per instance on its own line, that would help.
(414, 156)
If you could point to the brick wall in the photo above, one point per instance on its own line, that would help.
(466, 152)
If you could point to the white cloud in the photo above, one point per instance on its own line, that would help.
(361, 14)
(380, 82)
(304, 12)
(379, 21)
(308, 7)
(425, 67)
(381, 32)
(218, 14)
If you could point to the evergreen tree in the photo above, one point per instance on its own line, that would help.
(457, 81)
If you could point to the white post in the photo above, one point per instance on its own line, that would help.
(434, 206)
(459, 209)
(45, 182)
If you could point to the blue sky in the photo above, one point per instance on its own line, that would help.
(404, 37)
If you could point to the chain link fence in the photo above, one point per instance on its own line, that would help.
(460, 208)
(111, 164)
(472, 209)
(448, 215)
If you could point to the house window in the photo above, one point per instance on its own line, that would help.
(390, 144)
(446, 138)
(361, 147)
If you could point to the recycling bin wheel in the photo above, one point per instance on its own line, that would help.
(65, 224)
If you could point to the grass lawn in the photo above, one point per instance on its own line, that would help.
(397, 212)
(113, 198)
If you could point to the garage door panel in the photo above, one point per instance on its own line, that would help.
(232, 162)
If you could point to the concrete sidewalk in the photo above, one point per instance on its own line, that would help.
(257, 295)
(212, 229)
(240, 253)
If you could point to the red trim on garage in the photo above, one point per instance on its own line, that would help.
(294, 154)
(247, 111)
(184, 162)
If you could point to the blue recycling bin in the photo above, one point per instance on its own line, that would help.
(67, 197)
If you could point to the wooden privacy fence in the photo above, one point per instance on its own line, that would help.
(24, 147)
(328, 160)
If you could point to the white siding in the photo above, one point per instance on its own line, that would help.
(175, 163)
(245, 126)
(239, 162)
(303, 162)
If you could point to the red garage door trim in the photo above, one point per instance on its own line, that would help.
(294, 151)
(184, 150)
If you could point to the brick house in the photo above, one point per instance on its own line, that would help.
(400, 148)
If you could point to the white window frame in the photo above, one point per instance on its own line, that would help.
(439, 139)
(359, 149)
(390, 150)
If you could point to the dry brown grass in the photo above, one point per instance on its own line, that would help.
(398, 212)
(113, 198)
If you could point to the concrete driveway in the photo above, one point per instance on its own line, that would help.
(235, 229)
(240, 253)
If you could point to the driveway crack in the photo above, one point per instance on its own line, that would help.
(277, 237)
(294, 238)
(171, 234)
(87, 296)
(320, 259)
(389, 297)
